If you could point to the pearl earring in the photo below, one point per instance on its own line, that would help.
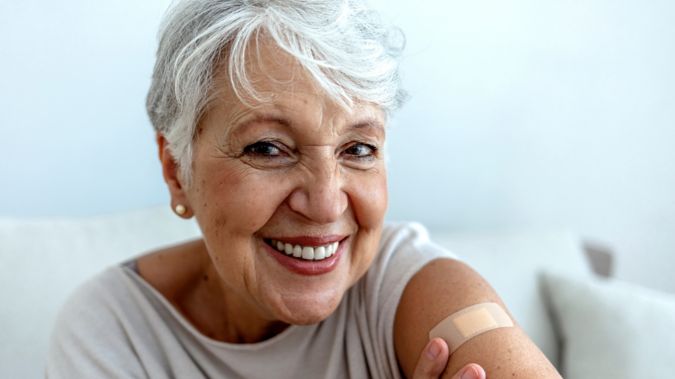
(180, 209)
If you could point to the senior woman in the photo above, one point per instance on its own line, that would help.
(270, 120)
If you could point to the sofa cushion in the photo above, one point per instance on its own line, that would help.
(511, 263)
(611, 329)
(42, 261)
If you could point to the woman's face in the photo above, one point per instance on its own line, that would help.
(298, 174)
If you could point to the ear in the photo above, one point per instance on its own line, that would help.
(172, 177)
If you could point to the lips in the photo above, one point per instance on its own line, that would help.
(307, 255)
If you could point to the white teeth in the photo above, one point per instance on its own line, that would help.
(319, 253)
(297, 251)
(306, 252)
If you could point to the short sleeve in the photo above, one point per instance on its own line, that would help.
(404, 250)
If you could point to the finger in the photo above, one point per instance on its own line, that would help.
(433, 360)
(470, 371)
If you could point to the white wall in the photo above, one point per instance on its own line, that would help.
(73, 77)
(538, 113)
(524, 114)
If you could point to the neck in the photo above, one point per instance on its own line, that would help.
(221, 314)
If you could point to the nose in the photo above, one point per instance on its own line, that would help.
(320, 197)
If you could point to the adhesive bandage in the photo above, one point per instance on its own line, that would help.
(469, 322)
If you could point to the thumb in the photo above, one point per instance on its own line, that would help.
(470, 371)
(433, 360)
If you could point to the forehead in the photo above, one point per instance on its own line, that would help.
(281, 87)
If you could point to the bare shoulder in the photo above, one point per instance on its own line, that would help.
(172, 269)
(443, 287)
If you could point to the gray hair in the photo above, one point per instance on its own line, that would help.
(343, 45)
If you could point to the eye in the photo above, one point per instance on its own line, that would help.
(267, 155)
(361, 151)
(263, 149)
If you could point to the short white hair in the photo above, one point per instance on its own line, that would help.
(342, 44)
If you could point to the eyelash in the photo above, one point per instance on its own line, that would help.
(250, 149)
(371, 154)
(253, 150)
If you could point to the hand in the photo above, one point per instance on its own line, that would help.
(434, 358)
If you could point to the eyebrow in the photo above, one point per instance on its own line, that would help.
(264, 117)
(368, 123)
(239, 127)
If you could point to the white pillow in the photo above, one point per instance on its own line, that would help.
(42, 261)
(612, 329)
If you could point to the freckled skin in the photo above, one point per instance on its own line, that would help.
(319, 184)
(444, 287)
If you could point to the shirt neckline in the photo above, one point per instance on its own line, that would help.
(128, 268)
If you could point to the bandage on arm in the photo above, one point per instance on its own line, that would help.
(469, 322)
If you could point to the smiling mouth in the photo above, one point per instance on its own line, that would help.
(308, 253)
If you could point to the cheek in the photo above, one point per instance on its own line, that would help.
(368, 197)
(234, 200)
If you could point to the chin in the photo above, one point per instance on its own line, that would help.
(307, 319)
(308, 309)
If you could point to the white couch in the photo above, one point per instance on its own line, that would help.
(43, 260)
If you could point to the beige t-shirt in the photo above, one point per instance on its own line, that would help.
(118, 326)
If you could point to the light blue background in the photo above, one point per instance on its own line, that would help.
(524, 114)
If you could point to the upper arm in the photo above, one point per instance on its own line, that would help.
(443, 287)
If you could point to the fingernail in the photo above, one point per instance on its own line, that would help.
(433, 350)
(470, 373)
